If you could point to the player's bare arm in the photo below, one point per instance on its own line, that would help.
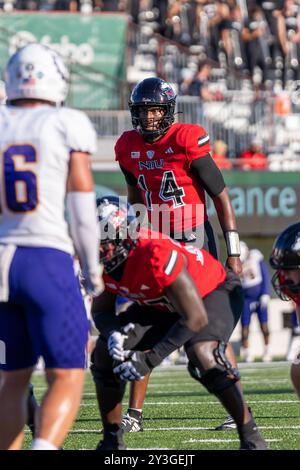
(80, 177)
(210, 178)
(228, 224)
(134, 195)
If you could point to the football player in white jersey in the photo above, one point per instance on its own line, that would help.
(45, 161)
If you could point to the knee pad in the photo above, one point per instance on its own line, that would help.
(215, 380)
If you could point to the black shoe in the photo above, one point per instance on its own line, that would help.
(131, 424)
(255, 442)
(250, 437)
(113, 440)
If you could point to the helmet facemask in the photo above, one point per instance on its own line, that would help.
(283, 286)
(159, 126)
(114, 252)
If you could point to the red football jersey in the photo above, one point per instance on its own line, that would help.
(156, 262)
(162, 172)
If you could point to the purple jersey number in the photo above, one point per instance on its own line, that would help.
(20, 183)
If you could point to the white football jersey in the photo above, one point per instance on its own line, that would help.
(35, 146)
(252, 273)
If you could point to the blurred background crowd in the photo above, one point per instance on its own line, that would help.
(216, 54)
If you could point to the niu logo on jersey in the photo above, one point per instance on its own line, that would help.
(154, 164)
(169, 150)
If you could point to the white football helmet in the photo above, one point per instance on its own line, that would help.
(36, 72)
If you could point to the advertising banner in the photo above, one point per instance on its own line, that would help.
(264, 202)
(92, 45)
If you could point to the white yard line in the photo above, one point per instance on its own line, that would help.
(173, 428)
(190, 441)
(175, 403)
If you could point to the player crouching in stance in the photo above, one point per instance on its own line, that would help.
(166, 282)
(285, 258)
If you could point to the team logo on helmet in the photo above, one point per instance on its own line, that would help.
(296, 245)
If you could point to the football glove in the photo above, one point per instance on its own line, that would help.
(115, 343)
(135, 368)
(264, 300)
(92, 282)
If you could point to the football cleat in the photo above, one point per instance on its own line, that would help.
(131, 424)
(254, 442)
(229, 423)
(112, 441)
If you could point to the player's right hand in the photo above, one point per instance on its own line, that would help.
(115, 343)
(93, 282)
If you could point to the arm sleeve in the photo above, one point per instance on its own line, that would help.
(80, 134)
(84, 229)
(208, 175)
(178, 335)
(129, 177)
(265, 289)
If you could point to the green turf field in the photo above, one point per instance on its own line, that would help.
(180, 414)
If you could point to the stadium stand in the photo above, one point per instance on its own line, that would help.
(253, 51)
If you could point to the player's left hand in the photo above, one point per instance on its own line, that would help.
(93, 282)
(264, 300)
(135, 368)
(234, 263)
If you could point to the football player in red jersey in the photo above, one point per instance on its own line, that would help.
(180, 295)
(168, 168)
(285, 258)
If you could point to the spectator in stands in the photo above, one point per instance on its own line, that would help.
(199, 84)
(256, 286)
(27, 5)
(289, 37)
(235, 50)
(71, 5)
(255, 34)
(181, 21)
(254, 158)
(219, 154)
(272, 11)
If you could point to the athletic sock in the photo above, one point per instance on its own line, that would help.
(42, 444)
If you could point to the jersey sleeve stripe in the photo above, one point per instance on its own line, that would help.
(203, 140)
(171, 263)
